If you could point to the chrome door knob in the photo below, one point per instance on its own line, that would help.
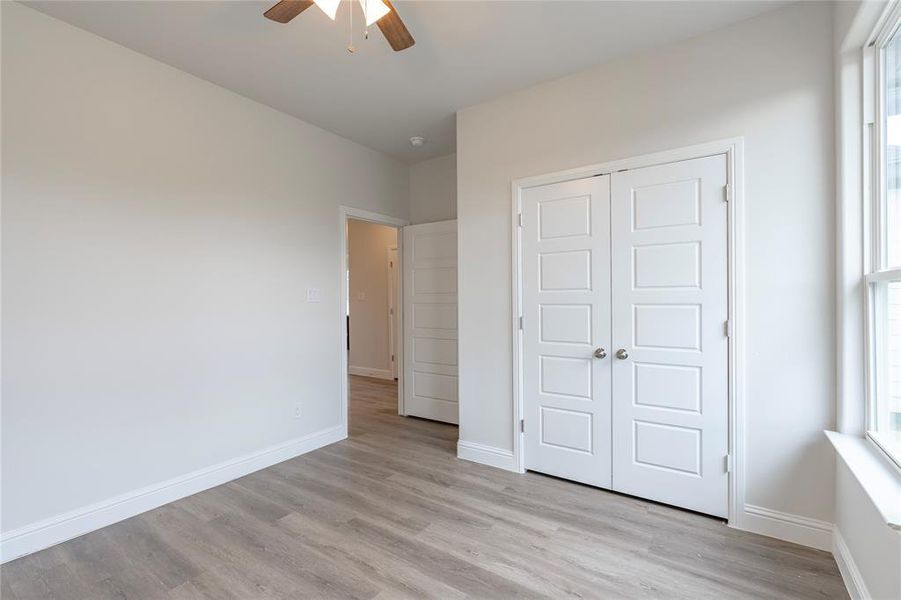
(600, 353)
(622, 354)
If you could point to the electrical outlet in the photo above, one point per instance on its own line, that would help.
(297, 410)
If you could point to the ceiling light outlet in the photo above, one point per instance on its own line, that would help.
(417, 141)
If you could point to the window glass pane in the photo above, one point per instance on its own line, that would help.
(887, 422)
(893, 358)
(891, 234)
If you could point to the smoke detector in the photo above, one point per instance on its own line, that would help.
(417, 141)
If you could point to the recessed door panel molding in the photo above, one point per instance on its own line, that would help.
(430, 321)
(434, 247)
(434, 280)
(564, 217)
(435, 351)
(565, 271)
(435, 316)
(667, 266)
(672, 387)
(667, 447)
(566, 376)
(567, 429)
(566, 319)
(667, 204)
(670, 304)
(666, 326)
(565, 323)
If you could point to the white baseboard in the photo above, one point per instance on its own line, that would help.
(367, 372)
(857, 589)
(786, 526)
(487, 455)
(49, 532)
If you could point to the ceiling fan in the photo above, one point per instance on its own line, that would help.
(380, 12)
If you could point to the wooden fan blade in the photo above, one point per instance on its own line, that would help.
(286, 10)
(394, 29)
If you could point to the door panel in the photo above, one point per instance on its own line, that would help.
(669, 270)
(566, 315)
(430, 321)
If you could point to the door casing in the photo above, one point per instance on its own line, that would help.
(733, 149)
(345, 213)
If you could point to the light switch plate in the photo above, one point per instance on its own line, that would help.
(314, 295)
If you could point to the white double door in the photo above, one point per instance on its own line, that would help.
(624, 341)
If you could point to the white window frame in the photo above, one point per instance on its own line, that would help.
(875, 249)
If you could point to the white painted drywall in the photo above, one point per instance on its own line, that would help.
(159, 235)
(874, 547)
(433, 190)
(768, 79)
(368, 245)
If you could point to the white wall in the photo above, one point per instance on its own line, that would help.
(159, 234)
(433, 190)
(368, 245)
(873, 546)
(768, 79)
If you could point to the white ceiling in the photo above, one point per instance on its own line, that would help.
(465, 53)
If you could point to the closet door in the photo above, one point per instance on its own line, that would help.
(566, 329)
(670, 354)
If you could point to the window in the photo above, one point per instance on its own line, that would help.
(883, 275)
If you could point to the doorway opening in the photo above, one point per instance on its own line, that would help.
(398, 309)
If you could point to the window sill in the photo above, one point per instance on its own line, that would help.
(876, 474)
(888, 444)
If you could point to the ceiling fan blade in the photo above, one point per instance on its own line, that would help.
(286, 10)
(394, 29)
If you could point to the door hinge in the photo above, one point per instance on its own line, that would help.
(520, 322)
(727, 192)
(727, 463)
(522, 425)
(519, 219)
(727, 328)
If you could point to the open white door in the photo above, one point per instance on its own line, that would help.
(430, 321)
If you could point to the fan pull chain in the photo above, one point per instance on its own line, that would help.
(350, 18)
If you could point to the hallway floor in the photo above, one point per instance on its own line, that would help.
(392, 513)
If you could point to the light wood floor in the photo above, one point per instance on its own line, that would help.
(391, 513)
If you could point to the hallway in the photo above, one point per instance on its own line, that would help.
(391, 512)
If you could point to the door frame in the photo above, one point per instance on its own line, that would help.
(733, 148)
(392, 304)
(346, 213)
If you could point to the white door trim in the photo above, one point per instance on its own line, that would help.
(393, 329)
(345, 213)
(733, 148)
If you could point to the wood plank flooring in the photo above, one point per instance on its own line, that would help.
(392, 513)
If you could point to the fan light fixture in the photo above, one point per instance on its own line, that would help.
(380, 12)
(329, 7)
(373, 10)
